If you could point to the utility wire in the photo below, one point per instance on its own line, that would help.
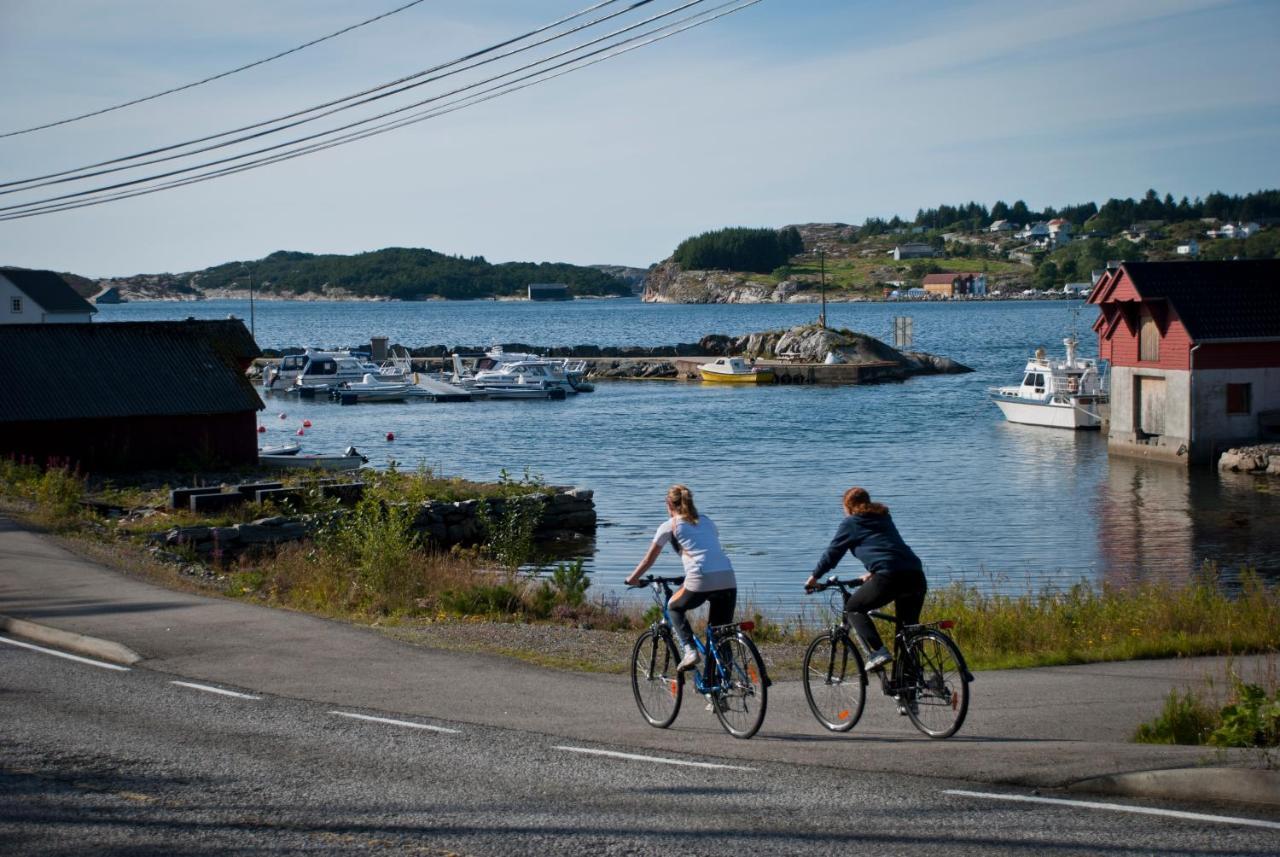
(84, 173)
(212, 78)
(374, 118)
(388, 85)
(638, 41)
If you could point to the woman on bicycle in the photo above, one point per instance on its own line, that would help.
(708, 574)
(894, 572)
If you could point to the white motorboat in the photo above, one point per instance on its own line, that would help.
(349, 460)
(522, 379)
(1059, 393)
(567, 373)
(316, 370)
(374, 388)
(288, 448)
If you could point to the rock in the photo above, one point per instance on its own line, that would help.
(273, 521)
(186, 535)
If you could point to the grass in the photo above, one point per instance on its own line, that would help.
(1247, 715)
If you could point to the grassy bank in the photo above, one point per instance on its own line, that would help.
(369, 566)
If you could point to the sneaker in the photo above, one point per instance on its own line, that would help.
(906, 707)
(878, 659)
(689, 661)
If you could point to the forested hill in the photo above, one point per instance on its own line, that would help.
(396, 272)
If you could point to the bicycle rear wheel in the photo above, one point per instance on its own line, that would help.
(740, 705)
(935, 684)
(834, 684)
(657, 685)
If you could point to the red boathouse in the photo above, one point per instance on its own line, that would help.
(1194, 349)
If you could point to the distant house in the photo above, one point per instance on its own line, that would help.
(1040, 229)
(917, 293)
(1059, 231)
(1234, 230)
(108, 295)
(914, 251)
(1191, 248)
(40, 297)
(1002, 226)
(548, 292)
(950, 285)
(129, 395)
(1194, 349)
(1077, 289)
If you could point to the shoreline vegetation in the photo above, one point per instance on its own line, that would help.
(369, 567)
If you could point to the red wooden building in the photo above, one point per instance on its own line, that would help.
(1194, 349)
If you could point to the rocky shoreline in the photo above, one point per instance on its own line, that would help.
(1259, 460)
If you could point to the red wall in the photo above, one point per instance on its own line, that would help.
(1121, 349)
(1238, 355)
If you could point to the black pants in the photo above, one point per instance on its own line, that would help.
(721, 612)
(905, 588)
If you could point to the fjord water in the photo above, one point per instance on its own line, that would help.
(1000, 505)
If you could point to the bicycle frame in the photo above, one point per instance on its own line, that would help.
(712, 678)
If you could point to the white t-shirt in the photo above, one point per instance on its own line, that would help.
(706, 566)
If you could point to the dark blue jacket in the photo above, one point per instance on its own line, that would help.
(875, 541)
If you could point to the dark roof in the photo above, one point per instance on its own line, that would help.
(1216, 300)
(48, 289)
(124, 369)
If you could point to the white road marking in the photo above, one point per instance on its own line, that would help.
(69, 657)
(1119, 807)
(657, 760)
(208, 689)
(397, 722)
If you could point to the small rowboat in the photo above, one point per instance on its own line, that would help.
(349, 460)
(734, 370)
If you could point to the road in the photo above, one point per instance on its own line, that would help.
(113, 761)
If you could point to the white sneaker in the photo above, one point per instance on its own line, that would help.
(689, 661)
(878, 659)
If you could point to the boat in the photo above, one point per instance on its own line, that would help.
(375, 388)
(317, 370)
(520, 379)
(735, 370)
(349, 460)
(568, 374)
(289, 448)
(1059, 393)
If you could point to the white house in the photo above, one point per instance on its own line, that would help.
(1002, 226)
(40, 297)
(1059, 231)
(913, 251)
(1077, 289)
(1040, 229)
(1191, 248)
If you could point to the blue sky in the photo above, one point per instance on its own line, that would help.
(791, 111)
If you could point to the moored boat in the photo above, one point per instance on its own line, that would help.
(735, 370)
(349, 460)
(1064, 393)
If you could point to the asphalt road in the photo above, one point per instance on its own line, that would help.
(111, 761)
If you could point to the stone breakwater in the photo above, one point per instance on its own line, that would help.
(1252, 459)
(566, 515)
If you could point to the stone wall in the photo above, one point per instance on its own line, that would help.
(567, 515)
(1252, 459)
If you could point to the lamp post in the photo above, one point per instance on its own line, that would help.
(252, 329)
(822, 262)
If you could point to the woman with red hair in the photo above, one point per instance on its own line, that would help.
(894, 572)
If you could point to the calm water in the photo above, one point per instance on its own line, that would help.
(1005, 506)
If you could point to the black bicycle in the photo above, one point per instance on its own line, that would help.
(928, 678)
(733, 678)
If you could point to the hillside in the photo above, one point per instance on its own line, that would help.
(395, 273)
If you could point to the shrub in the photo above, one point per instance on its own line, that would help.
(1186, 719)
(1253, 720)
(570, 583)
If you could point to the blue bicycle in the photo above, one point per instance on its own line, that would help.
(733, 677)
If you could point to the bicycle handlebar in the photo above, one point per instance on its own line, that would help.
(650, 579)
(846, 583)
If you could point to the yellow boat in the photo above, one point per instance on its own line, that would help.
(735, 370)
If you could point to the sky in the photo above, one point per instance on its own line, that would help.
(791, 111)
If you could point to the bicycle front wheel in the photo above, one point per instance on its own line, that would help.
(657, 685)
(935, 684)
(741, 702)
(834, 684)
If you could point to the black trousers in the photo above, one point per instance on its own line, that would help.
(905, 589)
(722, 602)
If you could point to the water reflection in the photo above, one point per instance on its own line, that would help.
(1160, 521)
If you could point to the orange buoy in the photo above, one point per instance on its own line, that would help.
(391, 435)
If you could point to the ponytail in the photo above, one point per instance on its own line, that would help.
(858, 502)
(681, 499)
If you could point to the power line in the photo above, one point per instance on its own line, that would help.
(374, 118)
(638, 41)
(41, 181)
(212, 78)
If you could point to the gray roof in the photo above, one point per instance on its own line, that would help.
(1216, 300)
(48, 289)
(125, 369)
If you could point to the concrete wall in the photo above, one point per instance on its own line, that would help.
(1214, 429)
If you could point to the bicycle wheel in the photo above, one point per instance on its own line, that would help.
(654, 680)
(935, 690)
(834, 684)
(741, 704)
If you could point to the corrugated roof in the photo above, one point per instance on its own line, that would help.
(48, 289)
(124, 369)
(1216, 300)
(945, 279)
